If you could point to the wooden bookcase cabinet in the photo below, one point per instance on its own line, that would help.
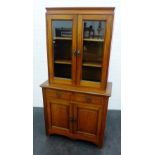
(77, 92)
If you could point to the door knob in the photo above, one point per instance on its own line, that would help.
(88, 99)
(58, 94)
(78, 53)
(72, 120)
(74, 53)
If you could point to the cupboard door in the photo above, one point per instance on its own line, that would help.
(61, 44)
(87, 124)
(94, 36)
(59, 114)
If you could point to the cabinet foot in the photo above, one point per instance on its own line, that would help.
(100, 145)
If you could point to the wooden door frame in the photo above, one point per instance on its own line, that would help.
(106, 50)
(50, 55)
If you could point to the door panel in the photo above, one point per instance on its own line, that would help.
(88, 121)
(83, 124)
(92, 48)
(61, 38)
(59, 114)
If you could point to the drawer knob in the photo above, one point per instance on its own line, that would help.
(58, 94)
(88, 99)
(72, 120)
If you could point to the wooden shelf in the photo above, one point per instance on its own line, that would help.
(85, 39)
(62, 38)
(68, 62)
(92, 64)
(93, 39)
(87, 64)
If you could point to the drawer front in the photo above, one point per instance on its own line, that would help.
(87, 98)
(58, 94)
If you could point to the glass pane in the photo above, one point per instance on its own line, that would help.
(62, 47)
(93, 43)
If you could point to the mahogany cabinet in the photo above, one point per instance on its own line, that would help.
(77, 92)
(75, 112)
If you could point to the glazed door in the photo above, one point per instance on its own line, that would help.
(59, 115)
(94, 35)
(87, 121)
(61, 42)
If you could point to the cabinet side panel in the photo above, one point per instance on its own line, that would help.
(45, 110)
(104, 118)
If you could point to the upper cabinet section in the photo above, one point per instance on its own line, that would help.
(78, 45)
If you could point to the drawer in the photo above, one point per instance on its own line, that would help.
(86, 98)
(58, 94)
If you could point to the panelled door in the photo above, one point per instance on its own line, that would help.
(94, 36)
(61, 42)
(87, 121)
(59, 116)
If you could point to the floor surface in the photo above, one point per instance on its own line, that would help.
(59, 145)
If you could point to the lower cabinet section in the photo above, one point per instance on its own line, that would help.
(75, 119)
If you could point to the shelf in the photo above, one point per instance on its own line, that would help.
(92, 64)
(68, 62)
(62, 38)
(93, 39)
(87, 64)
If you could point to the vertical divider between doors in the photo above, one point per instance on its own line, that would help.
(70, 116)
(80, 41)
(75, 117)
(74, 48)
